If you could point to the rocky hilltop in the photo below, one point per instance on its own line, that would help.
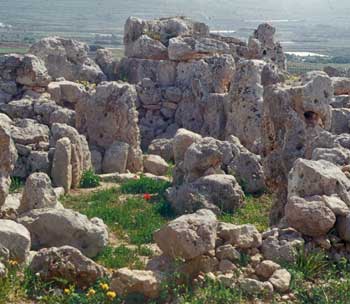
(228, 116)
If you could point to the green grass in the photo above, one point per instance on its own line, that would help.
(133, 219)
(304, 67)
(309, 266)
(89, 180)
(11, 50)
(144, 185)
(318, 280)
(16, 185)
(255, 211)
(122, 256)
(11, 287)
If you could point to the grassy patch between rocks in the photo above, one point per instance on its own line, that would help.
(16, 184)
(144, 185)
(89, 180)
(123, 256)
(317, 280)
(133, 218)
(255, 211)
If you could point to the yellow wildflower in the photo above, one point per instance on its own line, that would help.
(67, 291)
(91, 292)
(111, 295)
(13, 263)
(104, 286)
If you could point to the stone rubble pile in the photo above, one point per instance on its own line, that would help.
(224, 111)
(183, 75)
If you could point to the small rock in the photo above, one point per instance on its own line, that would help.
(266, 269)
(241, 236)
(66, 263)
(188, 236)
(16, 239)
(255, 287)
(126, 281)
(281, 280)
(227, 252)
(38, 193)
(155, 164)
(226, 266)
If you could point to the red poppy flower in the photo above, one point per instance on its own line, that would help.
(147, 196)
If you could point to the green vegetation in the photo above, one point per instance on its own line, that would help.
(133, 212)
(10, 50)
(255, 211)
(131, 218)
(16, 185)
(317, 280)
(298, 68)
(144, 185)
(89, 180)
(123, 256)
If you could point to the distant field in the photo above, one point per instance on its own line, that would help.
(6, 48)
(303, 67)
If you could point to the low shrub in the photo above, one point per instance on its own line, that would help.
(144, 185)
(89, 180)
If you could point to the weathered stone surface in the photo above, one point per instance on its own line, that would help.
(16, 238)
(309, 178)
(38, 161)
(209, 75)
(217, 192)
(162, 147)
(240, 236)
(66, 93)
(60, 227)
(96, 160)
(293, 117)
(266, 269)
(186, 48)
(201, 157)
(281, 245)
(155, 164)
(110, 115)
(147, 48)
(29, 131)
(80, 153)
(256, 288)
(67, 58)
(281, 280)
(144, 282)
(32, 72)
(160, 29)
(246, 167)
(262, 45)
(343, 227)
(22, 108)
(38, 193)
(340, 121)
(134, 70)
(64, 116)
(66, 263)
(341, 85)
(188, 236)
(244, 104)
(107, 62)
(182, 141)
(116, 158)
(61, 171)
(8, 157)
(309, 216)
(227, 252)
